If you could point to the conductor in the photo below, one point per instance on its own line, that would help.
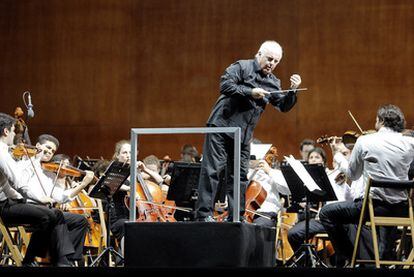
(245, 91)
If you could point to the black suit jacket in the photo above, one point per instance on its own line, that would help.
(237, 108)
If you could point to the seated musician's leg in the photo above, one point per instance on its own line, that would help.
(334, 217)
(40, 218)
(78, 227)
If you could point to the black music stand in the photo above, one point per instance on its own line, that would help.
(184, 186)
(307, 254)
(109, 183)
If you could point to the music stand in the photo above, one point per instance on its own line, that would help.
(296, 186)
(184, 185)
(109, 183)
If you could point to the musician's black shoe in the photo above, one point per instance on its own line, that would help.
(230, 219)
(30, 264)
(206, 219)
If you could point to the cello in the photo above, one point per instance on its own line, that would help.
(149, 202)
(82, 204)
(255, 193)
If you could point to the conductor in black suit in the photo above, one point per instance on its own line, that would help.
(245, 90)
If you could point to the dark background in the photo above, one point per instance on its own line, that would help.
(97, 68)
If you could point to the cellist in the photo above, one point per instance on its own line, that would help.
(38, 185)
(272, 180)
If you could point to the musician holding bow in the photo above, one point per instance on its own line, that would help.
(38, 185)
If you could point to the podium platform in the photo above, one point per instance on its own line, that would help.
(198, 244)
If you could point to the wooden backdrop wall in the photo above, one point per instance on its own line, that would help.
(97, 68)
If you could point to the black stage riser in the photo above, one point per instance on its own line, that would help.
(198, 244)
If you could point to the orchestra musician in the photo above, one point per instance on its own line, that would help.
(50, 231)
(384, 155)
(274, 183)
(119, 213)
(245, 90)
(306, 146)
(39, 185)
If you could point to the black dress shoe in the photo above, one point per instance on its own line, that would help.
(64, 262)
(30, 264)
(230, 219)
(206, 219)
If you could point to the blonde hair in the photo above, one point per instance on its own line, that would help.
(118, 147)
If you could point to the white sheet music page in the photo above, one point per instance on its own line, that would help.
(259, 150)
(303, 174)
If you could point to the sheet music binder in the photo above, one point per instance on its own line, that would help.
(109, 183)
(299, 191)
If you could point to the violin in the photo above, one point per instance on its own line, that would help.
(64, 170)
(21, 149)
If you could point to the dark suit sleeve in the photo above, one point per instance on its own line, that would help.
(284, 102)
(231, 82)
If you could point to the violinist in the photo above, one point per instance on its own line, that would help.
(274, 183)
(40, 185)
(384, 155)
(47, 223)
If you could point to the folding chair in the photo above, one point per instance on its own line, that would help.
(375, 221)
(11, 244)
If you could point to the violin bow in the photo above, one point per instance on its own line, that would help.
(34, 169)
(356, 123)
(56, 177)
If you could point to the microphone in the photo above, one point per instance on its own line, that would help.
(30, 112)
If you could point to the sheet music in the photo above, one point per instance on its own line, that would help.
(303, 174)
(259, 150)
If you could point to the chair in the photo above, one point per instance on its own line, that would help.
(11, 243)
(375, 221)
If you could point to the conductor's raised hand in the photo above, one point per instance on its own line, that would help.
(259, 93)
(295, 81)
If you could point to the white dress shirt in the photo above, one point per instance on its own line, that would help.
(273, 183)
(37, 190)
(390, 153)
(9, 175)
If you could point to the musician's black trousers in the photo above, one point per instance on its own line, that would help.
(49, 229)
(218, 154)
(77, 226)
(335, 215)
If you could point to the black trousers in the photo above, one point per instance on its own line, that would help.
(265, 222)
(335, 215)
(77, 226)
(218, 155)
(297, 234)
(49, 229)
(118, 228)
